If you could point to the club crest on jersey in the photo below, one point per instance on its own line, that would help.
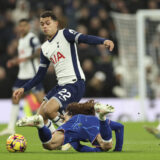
(56, 57)
(72, 31)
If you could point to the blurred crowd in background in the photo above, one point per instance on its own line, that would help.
(85, 16)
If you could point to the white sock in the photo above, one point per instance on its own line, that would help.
(50, 126)
(57, 121)
(101, 117)
(13, 116)
(108, 141)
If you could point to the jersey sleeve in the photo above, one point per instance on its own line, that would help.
(44, 63)
(119, 132)
(35, 43)
(82, 148)
(73, 36)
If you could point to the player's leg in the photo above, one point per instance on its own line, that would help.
(48, 123)
(101, 112)
(56, 141)
(59, 97)
(14, 111)
(98, 134)
(38, 92)
(50, 111)
(105, 131)
(153, 130)
(13, 118)
(49, 142)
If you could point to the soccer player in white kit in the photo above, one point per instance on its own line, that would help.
(60, 50)
(28, 61)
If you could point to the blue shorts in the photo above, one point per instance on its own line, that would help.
(67, 94)
(20, 82)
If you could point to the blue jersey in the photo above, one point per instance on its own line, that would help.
(86, 128)
(81, 128)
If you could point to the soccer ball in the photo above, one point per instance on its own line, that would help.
(16, 143)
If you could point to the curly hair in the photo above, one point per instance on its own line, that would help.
(86, 108)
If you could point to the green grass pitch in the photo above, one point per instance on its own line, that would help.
(138, 145)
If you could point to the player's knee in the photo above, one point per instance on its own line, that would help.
(51, 146)
(48, 146)
(49, 111)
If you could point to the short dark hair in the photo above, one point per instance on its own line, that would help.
(48, 14)
(24, 20)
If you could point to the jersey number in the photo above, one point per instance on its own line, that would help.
(64, 94)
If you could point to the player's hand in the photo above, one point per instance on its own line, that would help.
(18, 93)
(20, 60)
(109, 44)
(12, 62)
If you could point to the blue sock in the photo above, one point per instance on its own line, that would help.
(44, 134)
(105, 130)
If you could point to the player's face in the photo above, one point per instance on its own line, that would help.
(48, 26)
(24, 28)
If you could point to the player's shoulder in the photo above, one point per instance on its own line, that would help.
(69, 31)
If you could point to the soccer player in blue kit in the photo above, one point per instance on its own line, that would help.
(80, 127)
(60, 50)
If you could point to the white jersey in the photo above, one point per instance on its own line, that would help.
(63, 55)
(26, 47)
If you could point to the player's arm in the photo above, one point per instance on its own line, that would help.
(44, 63)
(73, 36)
(119, 132)
(82, 148)
(12, 62)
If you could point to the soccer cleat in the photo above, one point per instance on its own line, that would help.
(33, 121)
(153, 131)
(66, 147)
(102, 109)
(7, 131)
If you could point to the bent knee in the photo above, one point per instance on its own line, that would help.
(48, 147)
(50, 109)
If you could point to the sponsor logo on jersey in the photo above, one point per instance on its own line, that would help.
(56, 57)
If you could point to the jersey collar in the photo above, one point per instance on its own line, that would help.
(53, 37)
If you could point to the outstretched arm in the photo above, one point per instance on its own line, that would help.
(73, 36)
(82, 148)
(119, 132)
(44, 63)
